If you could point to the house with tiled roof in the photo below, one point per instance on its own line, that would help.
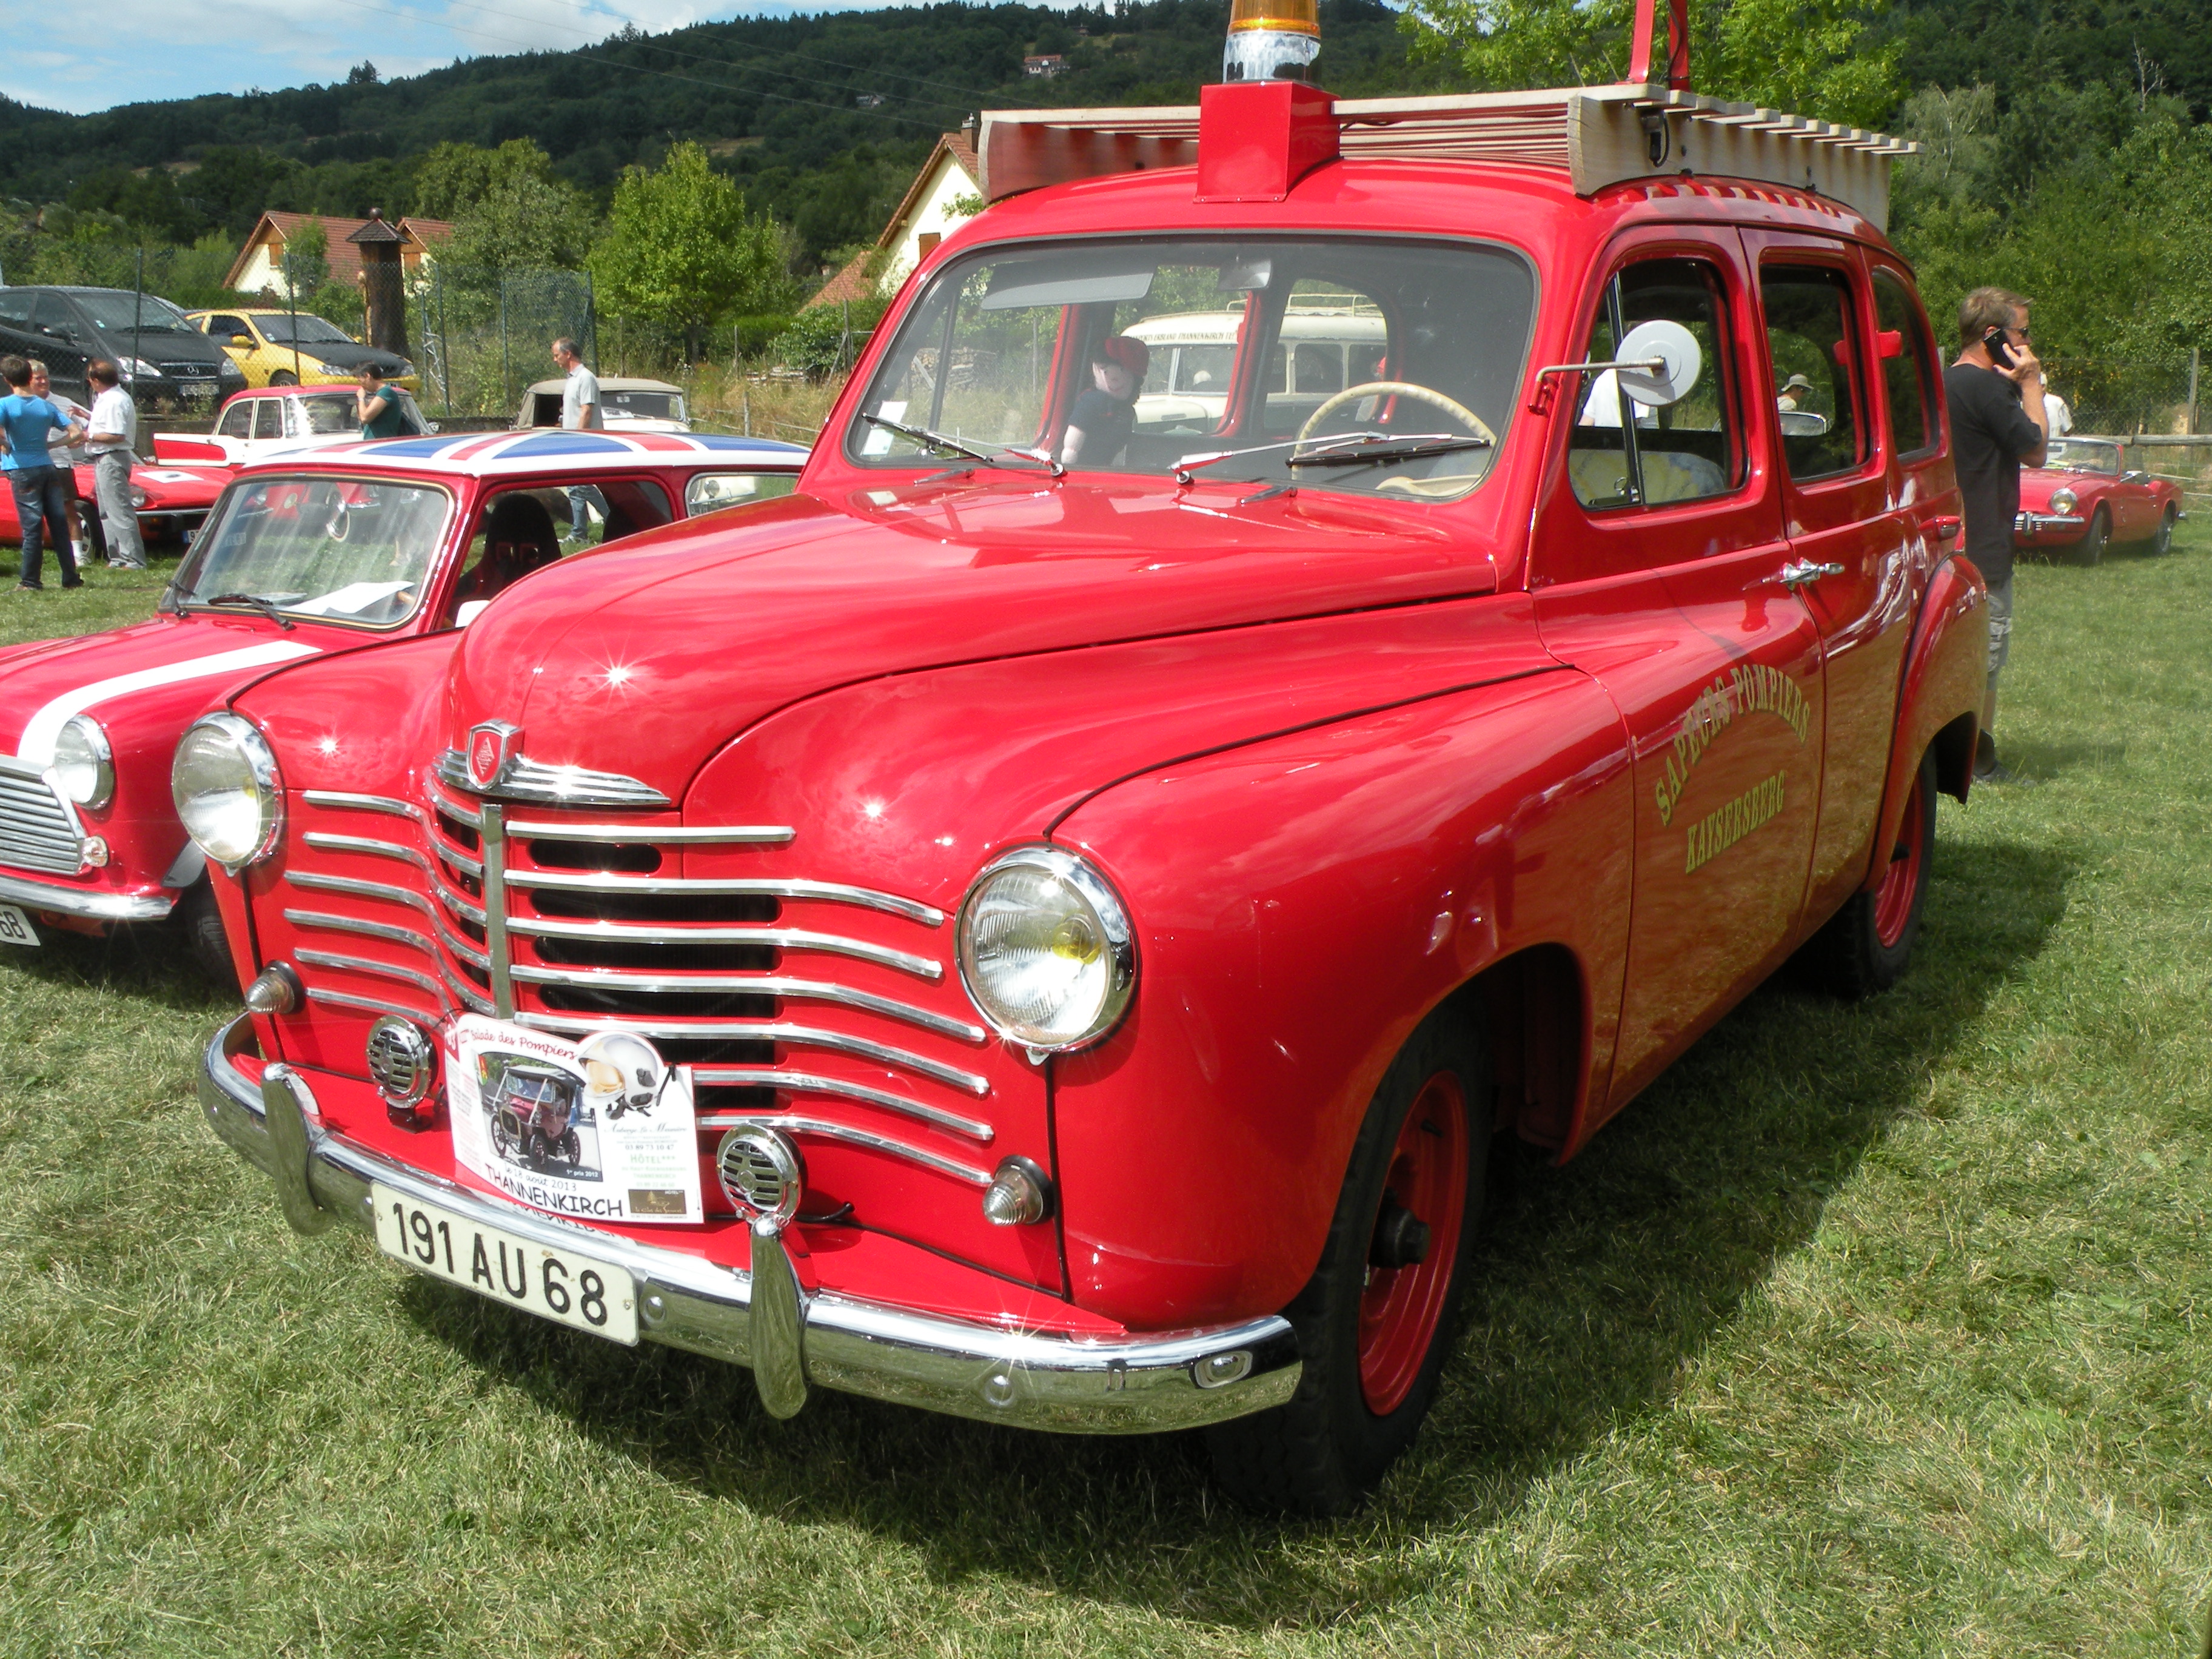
(260, 268)
(931, 208)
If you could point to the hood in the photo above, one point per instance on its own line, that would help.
(162, 671)
(333, 355)
(646, 658)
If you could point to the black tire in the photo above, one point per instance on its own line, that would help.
(2162, 544)
(200, 923)
(1323, 1451)
(1866, 946)
(283, 377)
(540, 1152)
(502, 1139)
(2090, 550)
(572, 1149)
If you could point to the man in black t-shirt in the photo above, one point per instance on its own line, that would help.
(1998, 423)
(1099, 424)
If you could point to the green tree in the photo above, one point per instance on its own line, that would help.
(681, 252)
(307, 259)
(452, 179)
(1812, 56)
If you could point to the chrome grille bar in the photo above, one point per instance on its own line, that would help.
(787, 939)
(345, 799)
(363, 965)
(612, 979)
(495, 891)
(371, 1005)
(552, 786)
(808, 1036)
(829, 1130)
(805, 1082)
(763, 835)
(38, 828)
(322, 841)
(356, 888)
(829, 891)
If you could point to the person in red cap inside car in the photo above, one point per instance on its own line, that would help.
(1099, 424)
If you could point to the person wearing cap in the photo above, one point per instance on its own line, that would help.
(1100, 423)
(1793, 393)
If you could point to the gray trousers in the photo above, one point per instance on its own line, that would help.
(112, 471)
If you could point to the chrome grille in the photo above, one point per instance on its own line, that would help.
(578, 927)
(37, 830)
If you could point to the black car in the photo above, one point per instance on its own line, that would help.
(166, 361)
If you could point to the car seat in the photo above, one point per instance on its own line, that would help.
(519, 538)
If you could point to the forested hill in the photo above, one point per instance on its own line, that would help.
(820, 118)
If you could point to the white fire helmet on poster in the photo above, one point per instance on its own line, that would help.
(621, 1073)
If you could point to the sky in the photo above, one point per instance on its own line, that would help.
(88, 57)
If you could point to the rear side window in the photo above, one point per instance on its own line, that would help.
(1814, 353)
(238, 419)
(1908, 379)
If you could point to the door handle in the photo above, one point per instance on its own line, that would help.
(1944, 528)
(1801, 573)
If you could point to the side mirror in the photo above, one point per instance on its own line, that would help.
(1673, 351)
(2135, 477)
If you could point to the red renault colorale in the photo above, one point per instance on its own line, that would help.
(301, 557)
(1044, 923)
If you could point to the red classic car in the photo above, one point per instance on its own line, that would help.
(171, 499)
(2084, 497)
(300, 559)
(1062, 904)
(279, 420)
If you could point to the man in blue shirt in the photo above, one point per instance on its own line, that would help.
(26, 427)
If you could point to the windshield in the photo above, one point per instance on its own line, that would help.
(339, 549)
(1385, 368)
(640, 406)
(2076, 455)
(114, 312)
(279, 325)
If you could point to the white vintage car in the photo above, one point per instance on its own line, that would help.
(282, 420)
(1327, 342)
(625, 405)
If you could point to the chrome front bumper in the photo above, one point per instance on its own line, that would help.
(2034, 524)
(85, 902)
(1032, 1380)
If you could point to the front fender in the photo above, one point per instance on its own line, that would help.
(1946, 676)
(1301, 903)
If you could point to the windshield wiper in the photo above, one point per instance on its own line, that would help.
(267, 607)
(923, 434)
(1383, 455)
(1189, 463)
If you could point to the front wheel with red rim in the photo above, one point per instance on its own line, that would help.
(1376, 1322)
(1865, 946)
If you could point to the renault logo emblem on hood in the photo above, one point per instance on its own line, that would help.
(491, 745)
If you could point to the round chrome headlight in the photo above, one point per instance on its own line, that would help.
(225, 782)
(84, 766)
(1046, 949)
(2064, 500)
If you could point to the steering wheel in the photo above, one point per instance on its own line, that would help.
(1459, 412)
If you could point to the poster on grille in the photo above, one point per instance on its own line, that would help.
(601, 1130)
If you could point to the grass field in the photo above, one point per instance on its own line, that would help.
(1870, 1330)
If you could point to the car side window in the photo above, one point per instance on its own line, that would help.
(269, 418)
(1908, 378)
(1638, 441)
(710, 492)
(238, 419)
(227, 328)
(14, 308)
(53, 316)
(1813, 352)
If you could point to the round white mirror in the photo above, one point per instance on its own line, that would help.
(1666, 343)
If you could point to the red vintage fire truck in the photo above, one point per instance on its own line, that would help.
(1079, 885)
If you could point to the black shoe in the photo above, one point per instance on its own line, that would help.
(74, 581)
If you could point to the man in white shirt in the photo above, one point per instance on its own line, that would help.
(580, 412)
(2054, 406)
(111, 436)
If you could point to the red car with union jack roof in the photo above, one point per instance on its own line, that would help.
(350, 546)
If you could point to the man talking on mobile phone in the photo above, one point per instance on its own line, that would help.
(1998, 423)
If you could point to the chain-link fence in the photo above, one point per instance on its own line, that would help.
(2115, 398)
(483, 337)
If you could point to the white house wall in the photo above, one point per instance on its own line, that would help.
(934, 212)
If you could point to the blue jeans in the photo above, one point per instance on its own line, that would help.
(42, 498)
(579, 497)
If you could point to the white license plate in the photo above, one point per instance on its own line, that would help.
(16, 927)
(561, 1285)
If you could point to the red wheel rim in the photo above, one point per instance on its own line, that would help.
(1893, 903)
(1401, 1307)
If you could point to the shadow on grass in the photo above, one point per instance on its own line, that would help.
(150, 960)
(1595, 1283)
(2044, 761)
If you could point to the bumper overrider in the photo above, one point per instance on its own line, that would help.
(2041, 524)
(1141, 1385)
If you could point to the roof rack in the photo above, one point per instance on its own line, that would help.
(1598, 136)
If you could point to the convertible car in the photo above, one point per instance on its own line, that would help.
(170, 500)
(2084, 497)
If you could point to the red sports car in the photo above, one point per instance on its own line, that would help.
(170, 500)
(2083, 498)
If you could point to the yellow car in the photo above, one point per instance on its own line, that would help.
(262, 342)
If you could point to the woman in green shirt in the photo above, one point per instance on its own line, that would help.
(381, 414)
